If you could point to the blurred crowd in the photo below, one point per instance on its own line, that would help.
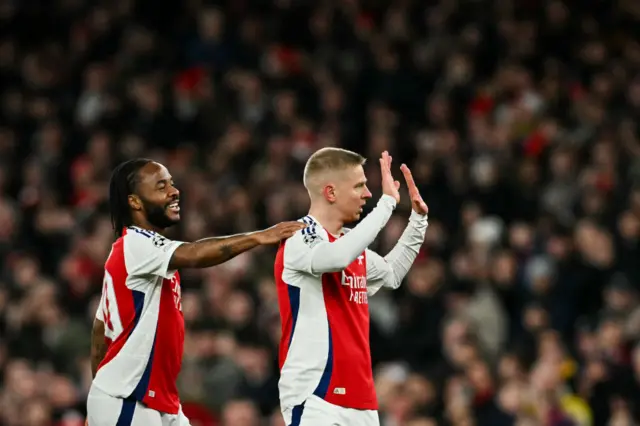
(519, 119)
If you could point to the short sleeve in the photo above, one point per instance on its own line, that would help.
(298, 250)
(148, 253)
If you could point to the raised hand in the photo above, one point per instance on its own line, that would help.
(279, 232)
(389, 185)
(417, 203)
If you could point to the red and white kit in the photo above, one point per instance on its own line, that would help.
(144, 327)
(323, 283)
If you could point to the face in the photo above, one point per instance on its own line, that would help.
(349, 193)
(158, 197)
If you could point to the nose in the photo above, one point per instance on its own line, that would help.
(173, 192)
(366, 194)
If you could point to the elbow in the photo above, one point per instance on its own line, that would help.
(341, 265)
(186, 256)
(393, 283)
(97, 333)
(195, 261)
(329, 262)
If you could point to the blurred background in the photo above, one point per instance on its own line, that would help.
(519, 119)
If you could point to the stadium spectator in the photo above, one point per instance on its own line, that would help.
(519, 120)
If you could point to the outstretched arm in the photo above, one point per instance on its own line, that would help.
(213, 251)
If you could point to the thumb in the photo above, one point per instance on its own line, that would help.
(397, 184)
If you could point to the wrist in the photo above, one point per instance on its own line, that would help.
(388, 200)
(257, 238)
(418, 217)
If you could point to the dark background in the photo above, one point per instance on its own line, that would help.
(518, 118)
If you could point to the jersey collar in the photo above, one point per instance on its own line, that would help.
(316, 222)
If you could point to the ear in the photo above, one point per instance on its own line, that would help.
(329, 193)
(134, 202)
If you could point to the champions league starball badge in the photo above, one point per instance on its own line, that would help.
(159, 241)
(311, 239)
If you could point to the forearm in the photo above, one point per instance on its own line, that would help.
(212, 251)
(98, 346)
(336, 256)
(404, 253)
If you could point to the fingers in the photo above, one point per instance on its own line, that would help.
(387, 158)
(385, 172)
(287, 229)
(385, 163)
(408, 176)
(294, 226)
(397, 184)
(291, 226)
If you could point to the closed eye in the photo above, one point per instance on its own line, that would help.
(163, 185)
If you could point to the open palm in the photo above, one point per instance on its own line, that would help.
(389, 185)
(417, 203)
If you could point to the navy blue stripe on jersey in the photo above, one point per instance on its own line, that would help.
(141, 389)
(146, 233)
(294, 301)
(126, 413)
(307, 221)
(323, 386)
(296, 415)
(143, 385)
(138, 305)
(311, 226)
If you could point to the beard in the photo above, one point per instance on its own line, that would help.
(157, 215)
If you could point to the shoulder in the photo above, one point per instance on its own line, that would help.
(309, 236)
(135, 235)
(137, 238)
(313, 233)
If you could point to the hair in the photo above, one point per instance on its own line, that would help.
(124, 180)
(330, 159)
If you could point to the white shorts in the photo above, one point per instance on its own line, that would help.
(106, 410)
(318, 412)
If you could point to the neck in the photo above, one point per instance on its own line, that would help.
(329, 221)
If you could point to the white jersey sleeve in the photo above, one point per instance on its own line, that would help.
(389, 271)
(100, 309)
(379, 273)
(148, 253)
(299, 249)
(310, 251)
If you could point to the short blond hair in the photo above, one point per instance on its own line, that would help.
(330, 159)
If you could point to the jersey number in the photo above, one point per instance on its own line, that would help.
(107, 290)
(177, 292)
